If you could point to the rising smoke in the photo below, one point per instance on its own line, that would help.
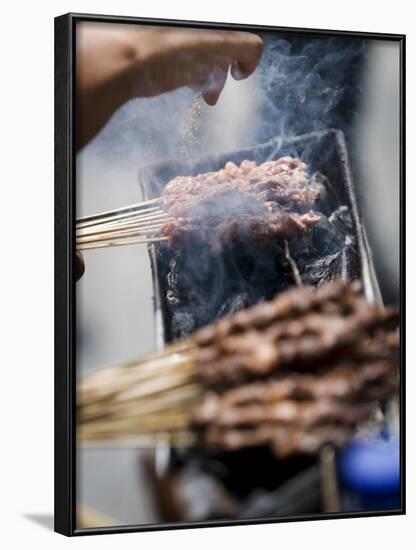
(308, 84)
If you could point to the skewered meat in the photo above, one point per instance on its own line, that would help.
(284, 441)
(284, 181)
(265, 202)
(234, 351)
(344, 382)
(291, 304)
(255, 363)
(263, 228)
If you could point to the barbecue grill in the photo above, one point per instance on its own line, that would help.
(230, 489)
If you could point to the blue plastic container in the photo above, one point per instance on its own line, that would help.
(370, 473)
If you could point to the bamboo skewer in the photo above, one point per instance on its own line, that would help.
(180, 438)
(91, 246)
(120, 217)
(135, 222)
(179, 398)
(118, 227)
(114, 379)
(115, 234)
(123, 429)
(152, 396)
(111, 213)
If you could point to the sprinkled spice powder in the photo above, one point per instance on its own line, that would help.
(191, 127)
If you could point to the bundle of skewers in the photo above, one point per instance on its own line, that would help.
(273, 200)
(295, 373)
(134, 224)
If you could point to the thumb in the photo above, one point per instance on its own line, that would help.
(79, 265)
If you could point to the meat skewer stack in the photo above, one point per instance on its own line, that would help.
(294, 373)
(264, 203)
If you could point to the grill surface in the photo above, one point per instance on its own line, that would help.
(324, 152)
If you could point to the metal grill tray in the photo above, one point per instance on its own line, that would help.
(324, 152)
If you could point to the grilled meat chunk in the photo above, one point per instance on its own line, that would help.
(264, 203)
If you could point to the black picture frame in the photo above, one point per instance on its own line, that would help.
(65, 373)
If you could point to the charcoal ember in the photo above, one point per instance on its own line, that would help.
(234, 303)
(328, 236)
(330, 266)
(172, 277)
(183, 324)
(328, 251)
(341, 220)
(328, 198)
(209, 287)
(171, 298)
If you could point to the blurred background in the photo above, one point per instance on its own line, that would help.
(303, 84)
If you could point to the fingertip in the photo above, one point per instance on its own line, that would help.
(212, 88)
(237, 71)
(210, 98)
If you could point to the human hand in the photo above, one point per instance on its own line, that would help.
(119, 62)
(200, 59)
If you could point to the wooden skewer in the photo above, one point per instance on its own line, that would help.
(97, 412)
(116, 384)
(170, 355)
(131, 224)
(107, 383)
(121, 224)
(181, 396)
(91, 246)
(180, 438)
(293, 265)
(122, 216)
(136, 206)
(156, 385)
(162, 422)
(147, 215)
(149, 398)
(116, 234)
